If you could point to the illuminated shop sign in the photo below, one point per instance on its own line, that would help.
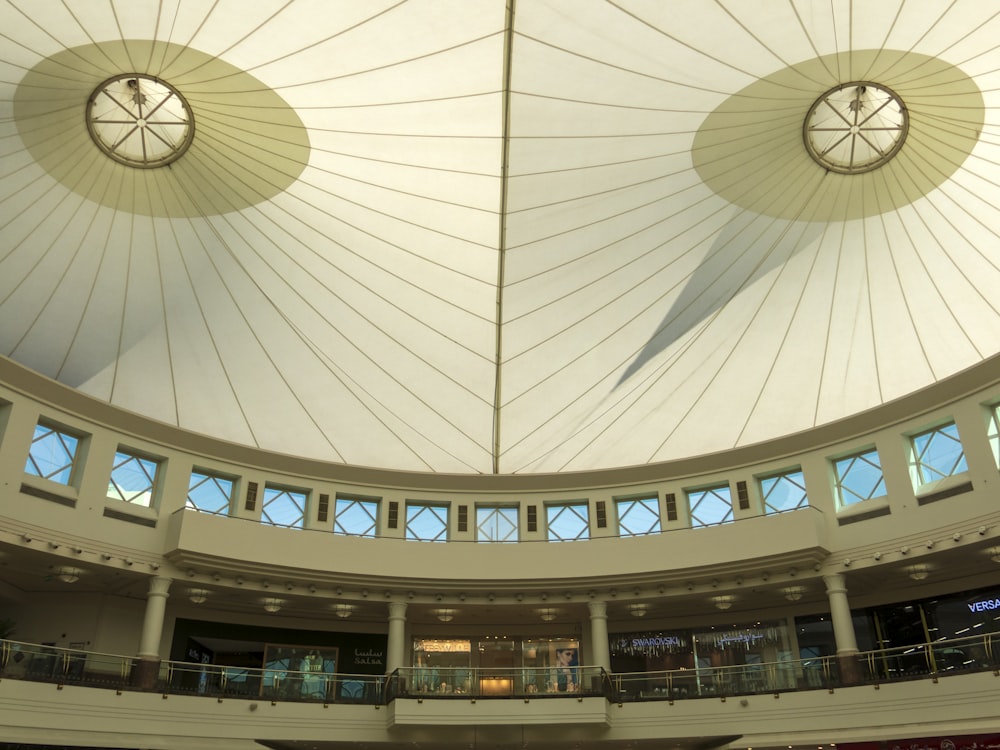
(761, 635)
(657, 640)
(441, 646)
(984, 605)
(649, 644)
(745, 638)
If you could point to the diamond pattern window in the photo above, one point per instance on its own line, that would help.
(937, 454)
(859, 477)
(355, 517)
(496, 523)
(133, 478)
(568, 522)
(711, 506)
(426, 522)
(995, 432)
(53, 454)
(638, 516)
(784, 492)
(210, 493)
(283, 507)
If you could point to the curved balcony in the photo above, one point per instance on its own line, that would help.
(930, 688)
(62, 666)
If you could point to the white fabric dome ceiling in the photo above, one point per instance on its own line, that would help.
(439, 236)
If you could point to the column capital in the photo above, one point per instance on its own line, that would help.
(397, 610)
(836, 583)
(160, 586)
(598, 608)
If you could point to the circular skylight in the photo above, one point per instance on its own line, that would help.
(855, 127)
(140, 121)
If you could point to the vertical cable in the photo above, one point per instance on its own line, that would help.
(508, 48)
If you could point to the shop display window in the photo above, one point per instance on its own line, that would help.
(743, 658)
(298, 672)
(441, 665)
(496, 666)
(551, 665)
(653, 652)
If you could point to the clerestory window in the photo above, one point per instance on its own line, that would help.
(133, 478)
(567, 522)
(284, 507)
(936, 453)
(496, 523)
(711, 506)
(210, 493)
(427, 522)
(638, 516)
(994, 432)
(786, 491)
(52, 454)
(859, 477)
(356, 517)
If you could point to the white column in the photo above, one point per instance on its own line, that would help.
(600, 653)
(840, 614)
(152, 624)
(396, 646)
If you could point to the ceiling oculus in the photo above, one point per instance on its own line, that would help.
(855, 127)
(140, 120)
(846, 159)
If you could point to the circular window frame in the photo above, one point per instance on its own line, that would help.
(162, 157)
(855, 131)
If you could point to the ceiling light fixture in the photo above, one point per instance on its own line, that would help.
(548, 614)
(638, 609)
(724, 601)
(919, 572)
(68, 575)
(198, 596)
(995, 554)
(445, 615)
(793, 593)
(272, 604)
(343, 610)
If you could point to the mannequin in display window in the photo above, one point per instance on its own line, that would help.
(312, 684)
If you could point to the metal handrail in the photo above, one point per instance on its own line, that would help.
(499, 682)
(941, 657)
(40, 663)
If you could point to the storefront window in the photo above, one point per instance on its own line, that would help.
(551, 665)
(293, 672)
(649, 651)
(744, 657)
(441, 666)
(965, 615)
(496, 665)
(498, 658)
(816, 640)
